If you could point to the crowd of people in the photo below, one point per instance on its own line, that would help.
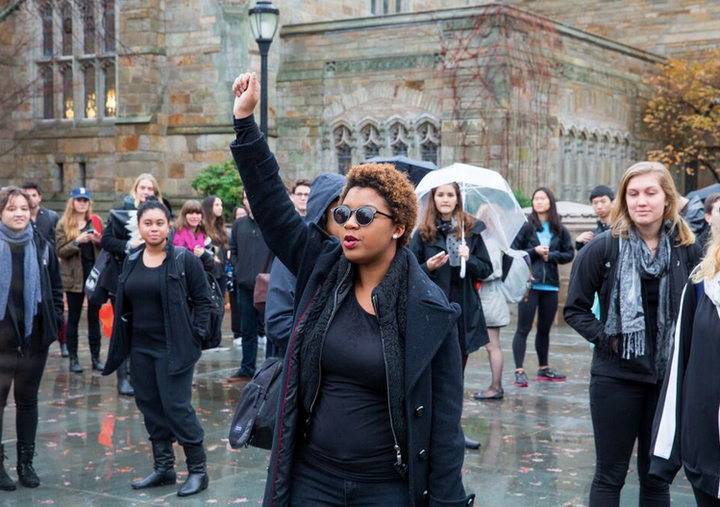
(363, 295)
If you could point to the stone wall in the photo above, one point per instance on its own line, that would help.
(500, 84)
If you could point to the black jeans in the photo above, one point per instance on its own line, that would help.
(704, 500)
(546, 303)
(310, 486)
(249, 326)
(26, 374)
(622, 412)
(75, 303)
(235, 315)
(164, 399)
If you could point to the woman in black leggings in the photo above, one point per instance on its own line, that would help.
(638, 269)
(548, 243)
(31, 308)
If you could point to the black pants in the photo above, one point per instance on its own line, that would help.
(75, 303)
(546, 303)
(236, 315)
(622, 412)
(249, 326)
(705, 500)
(164, 399)
(310, 486)
(26, 374)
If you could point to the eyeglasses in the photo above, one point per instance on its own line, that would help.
(364, 215)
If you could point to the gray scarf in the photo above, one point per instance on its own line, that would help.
(32, 292)
(449, 229)
(626, 315)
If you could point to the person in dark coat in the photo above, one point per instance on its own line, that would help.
(162, 312)
(324, 194)
(712, 217)
(693, 211)
(547, 242)
(119, 238)
(685, 429)
(638, 269)
(249, 256)
(31, 309)
(602, 199)
(44, 220)
(438, 248)
(405, 360)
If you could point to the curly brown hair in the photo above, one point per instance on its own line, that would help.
(393, 186)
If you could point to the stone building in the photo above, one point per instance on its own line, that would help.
(547, 92)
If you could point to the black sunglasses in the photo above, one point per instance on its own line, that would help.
(364, 215)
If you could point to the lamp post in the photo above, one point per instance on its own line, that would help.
(263, 23)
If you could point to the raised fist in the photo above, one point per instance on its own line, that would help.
(247, 95)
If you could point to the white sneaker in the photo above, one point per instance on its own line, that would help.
(237, 342)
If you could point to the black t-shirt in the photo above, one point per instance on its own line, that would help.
(142, 290)
(9, 338)
(87, 253)
(350, 433)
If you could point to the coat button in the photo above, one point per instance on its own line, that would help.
(422, 455)
(426, 495)
(419, 411)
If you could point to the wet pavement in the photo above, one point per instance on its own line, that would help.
(537, 446)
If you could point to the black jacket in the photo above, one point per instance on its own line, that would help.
(281, 291)
(685, 430)
(694, 214)
(50, 317)
(249, 254)
(593, 272)
(120, 227)
(45, 224)
(561, 252)
(599, 229)
(473, 329)
(186, 311)
(432, 381)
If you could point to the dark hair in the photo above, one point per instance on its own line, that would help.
(602, 191)
(553, 217)
(152, 203)
(710, 201)
(393, 186)
(214, 226)
(7, 193)
(31, 185)
(301, 183)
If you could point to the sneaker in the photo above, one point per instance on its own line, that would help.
(521, 379)
(239, 376)
(237, 342)
(550, 375)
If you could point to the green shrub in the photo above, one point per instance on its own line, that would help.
(521, 199)
(223, 181)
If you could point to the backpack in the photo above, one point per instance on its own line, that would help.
(516, 275)
(254, 419)
(213, 335)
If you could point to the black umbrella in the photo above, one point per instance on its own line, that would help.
(415, 169)
(704, 192)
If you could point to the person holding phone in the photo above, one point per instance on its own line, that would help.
(77, 238)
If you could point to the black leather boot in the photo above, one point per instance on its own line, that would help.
(163, 466)
(75, 364)
(26, 472)
(97, 365)
(6, 483)
(64, 350)
(471, 444)
(197, 479)
(124, 386)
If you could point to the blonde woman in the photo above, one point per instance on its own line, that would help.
(120, 236)
(685, 433)
(78, 244)
(638, 268)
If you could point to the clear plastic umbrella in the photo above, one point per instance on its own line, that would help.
(485, 195)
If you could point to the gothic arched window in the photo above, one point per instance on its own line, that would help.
(343, 148)
(398, 140)
(429, 140)
(46, 12)
(370, 141)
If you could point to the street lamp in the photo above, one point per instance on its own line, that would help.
(263, 23)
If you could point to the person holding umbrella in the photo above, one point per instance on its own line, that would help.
(440, 245)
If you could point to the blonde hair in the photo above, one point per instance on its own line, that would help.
(69, 222)
(621, 221)
(153, 180)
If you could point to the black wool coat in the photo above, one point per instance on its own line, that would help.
(186, 311)
(561, 252)
(472, 320)
(432, 381)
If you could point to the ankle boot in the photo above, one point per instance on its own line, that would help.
(75, 364)
(163, 466)
(6, 483)
(64, 350)
(97, 365)
(197, 479)
(26, 472)
(471, 444)
(124, 386)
